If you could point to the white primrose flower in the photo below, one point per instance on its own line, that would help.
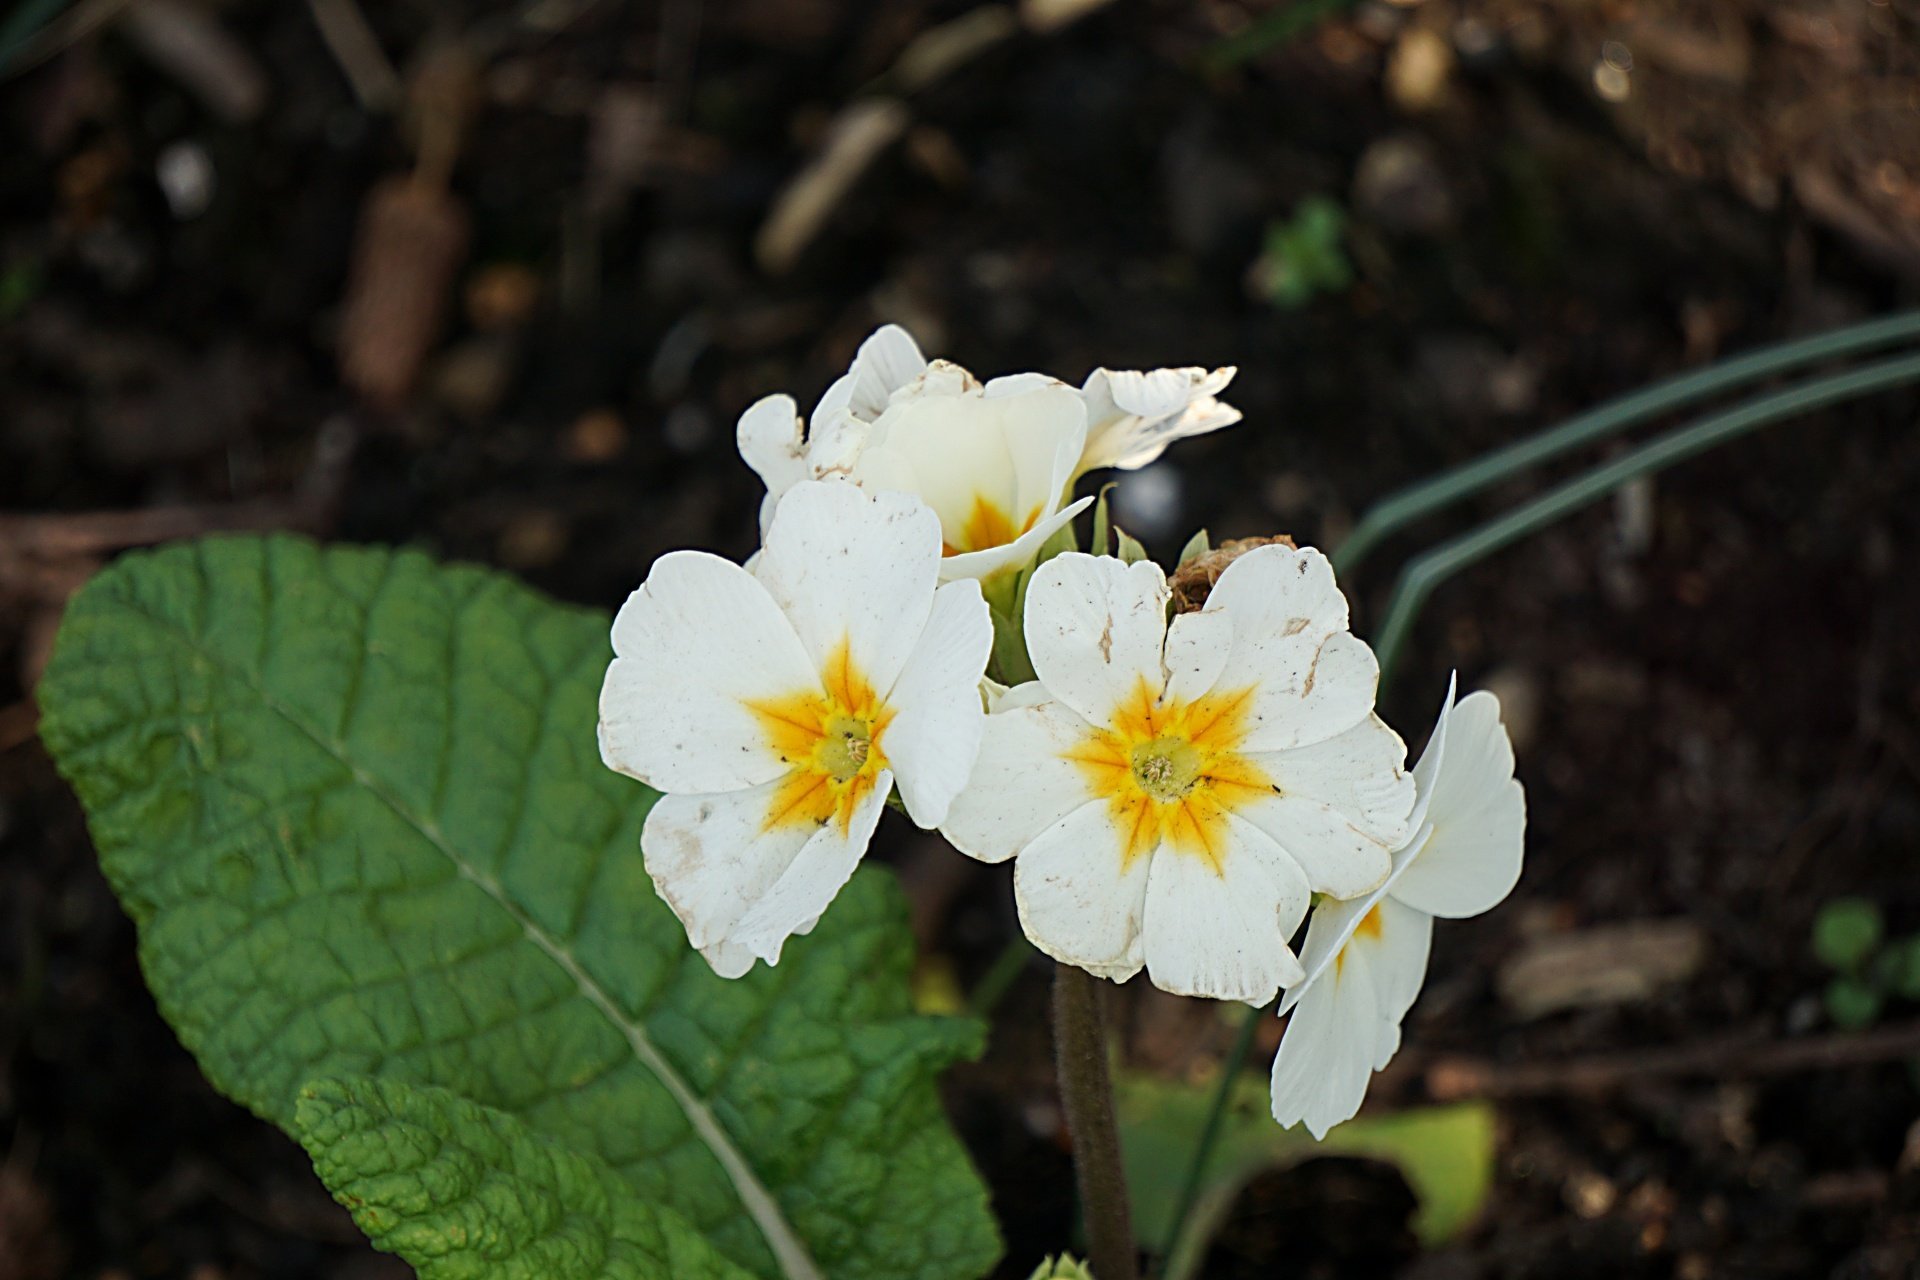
(1175, 794)
(1132, 416)
(776, 707)
(1366, 959)
(995, 461)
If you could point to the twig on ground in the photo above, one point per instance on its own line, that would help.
(1449, 1079)
(350, 39)
(38, 551)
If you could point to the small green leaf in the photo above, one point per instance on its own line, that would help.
(1446, 1154)
(353, 801)
(1063, 1267)
(1102, 523)
(1845, 933)
(460, 1191)
(1905, 977)
(1130, 549)
(1304, 255)
(1198, 545)
(1852, 1004)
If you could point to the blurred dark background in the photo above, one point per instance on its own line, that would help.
(497, 278)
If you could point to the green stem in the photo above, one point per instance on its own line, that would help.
(998, 979)
(1210, 1132)
(1086, 1094)
(1400, 509)
(1433, 567)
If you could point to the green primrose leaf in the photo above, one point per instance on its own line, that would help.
(1852, 1004)
(460, 1190)
(1198, 545)
(1445, 1153)
(1845, 933)
(1063, 1267)
(353, 801)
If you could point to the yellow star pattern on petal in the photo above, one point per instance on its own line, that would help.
(832, 738)
(1172, 771)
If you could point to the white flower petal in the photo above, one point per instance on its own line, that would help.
(1045, 429)
(934, 737)
(1198, 646)
(1013, 384)
(1014, 555)
(1334, 921)
(1094, 630)
(854, 568)
(771, 442)
(1312, 678)
(795, 902)
(1325, 1061)
(1338, 807)
(888, 360)
(712, 857)
(836, 447)
(1133, 416)
(1397, 959)
(693, 645)
(1223, 933)
(1001, 698)
(1478, 812)
(728, 959)
(1337, 858)
(998, 464)
(1360, 773)
(1428, 767)
(1022, 783)
(1079, 901)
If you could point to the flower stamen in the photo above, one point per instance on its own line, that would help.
(831, 738)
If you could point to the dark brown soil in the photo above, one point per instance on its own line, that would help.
(1715, 680)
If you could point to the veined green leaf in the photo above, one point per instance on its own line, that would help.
(464, 1191)
(1446, 1154)
(353, 801)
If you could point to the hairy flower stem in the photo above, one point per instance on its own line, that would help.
(1086, 1094)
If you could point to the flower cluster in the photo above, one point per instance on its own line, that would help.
(1183, 778)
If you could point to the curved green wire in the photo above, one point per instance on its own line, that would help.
(1400, 509)
(1433, 567)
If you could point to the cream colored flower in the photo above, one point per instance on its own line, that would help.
(1175, 794)
(777, 708)
(996, 461)
(1366, 959)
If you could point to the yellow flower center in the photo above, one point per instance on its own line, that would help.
(831, 738)
(1172, 771)
(986, 525)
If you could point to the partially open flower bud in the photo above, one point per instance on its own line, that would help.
(1193, 581)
